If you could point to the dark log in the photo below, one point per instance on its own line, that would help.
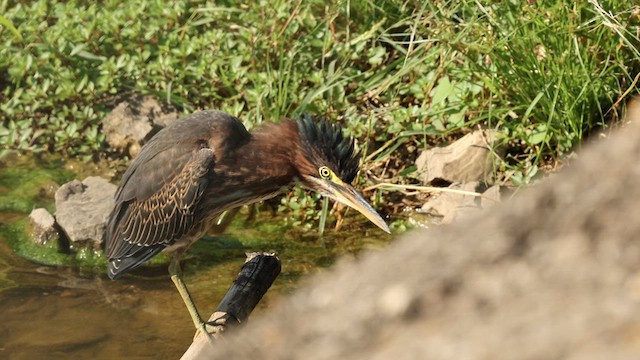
(255, 278)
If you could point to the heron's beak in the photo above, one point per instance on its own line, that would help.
(347, 195)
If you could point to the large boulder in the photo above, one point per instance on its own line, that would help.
(552, 274)
(82, 209)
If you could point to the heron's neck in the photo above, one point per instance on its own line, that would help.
(273, 146)
(264, 166)
(255, 171)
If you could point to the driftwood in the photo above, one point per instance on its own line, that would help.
(255, 278)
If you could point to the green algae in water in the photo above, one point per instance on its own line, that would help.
(86, 259)
(29, 182)
(26, 184)
(18, 239)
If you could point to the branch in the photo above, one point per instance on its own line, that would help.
(255, 278)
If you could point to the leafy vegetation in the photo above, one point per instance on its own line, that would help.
(400, 75)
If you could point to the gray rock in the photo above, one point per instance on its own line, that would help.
(468, 159)
(134, 121)
(82, 208)
(553, 273)
(451, 205)
(43, 226)
(490, 197)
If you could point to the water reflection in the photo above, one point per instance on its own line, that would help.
(58, 314)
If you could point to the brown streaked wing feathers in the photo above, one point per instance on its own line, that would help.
(165, 215)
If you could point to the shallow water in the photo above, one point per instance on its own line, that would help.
(60, 312)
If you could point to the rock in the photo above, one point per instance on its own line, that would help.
(82, 209)
(450, 205)
(134, 121)
(467, 159)
(553, 273)
(490, 197)
(43, 226)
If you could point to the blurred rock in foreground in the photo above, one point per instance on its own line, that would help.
(551, 274)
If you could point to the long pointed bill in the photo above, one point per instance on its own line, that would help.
(347, 195)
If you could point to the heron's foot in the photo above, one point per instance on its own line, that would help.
(208, 329)
(211, 328)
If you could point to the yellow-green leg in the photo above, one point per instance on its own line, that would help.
(176, 276)
(223, 221)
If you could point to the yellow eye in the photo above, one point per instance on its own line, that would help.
(324, 172)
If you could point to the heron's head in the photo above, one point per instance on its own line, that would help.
(328, 163)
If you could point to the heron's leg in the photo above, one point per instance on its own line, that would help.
(176, 276)
(223, 221)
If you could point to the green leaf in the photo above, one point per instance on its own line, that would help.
(411, 169)
(89, 56)
(9, 25)
(76, 49)
(538, 135)
(457, 119)
(441, 91)
(376, 55)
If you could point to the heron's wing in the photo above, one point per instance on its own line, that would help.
(156, 201)
(160, 191)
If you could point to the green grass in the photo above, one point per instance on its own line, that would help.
(400, 75)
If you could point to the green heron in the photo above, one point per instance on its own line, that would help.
(195, 169)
